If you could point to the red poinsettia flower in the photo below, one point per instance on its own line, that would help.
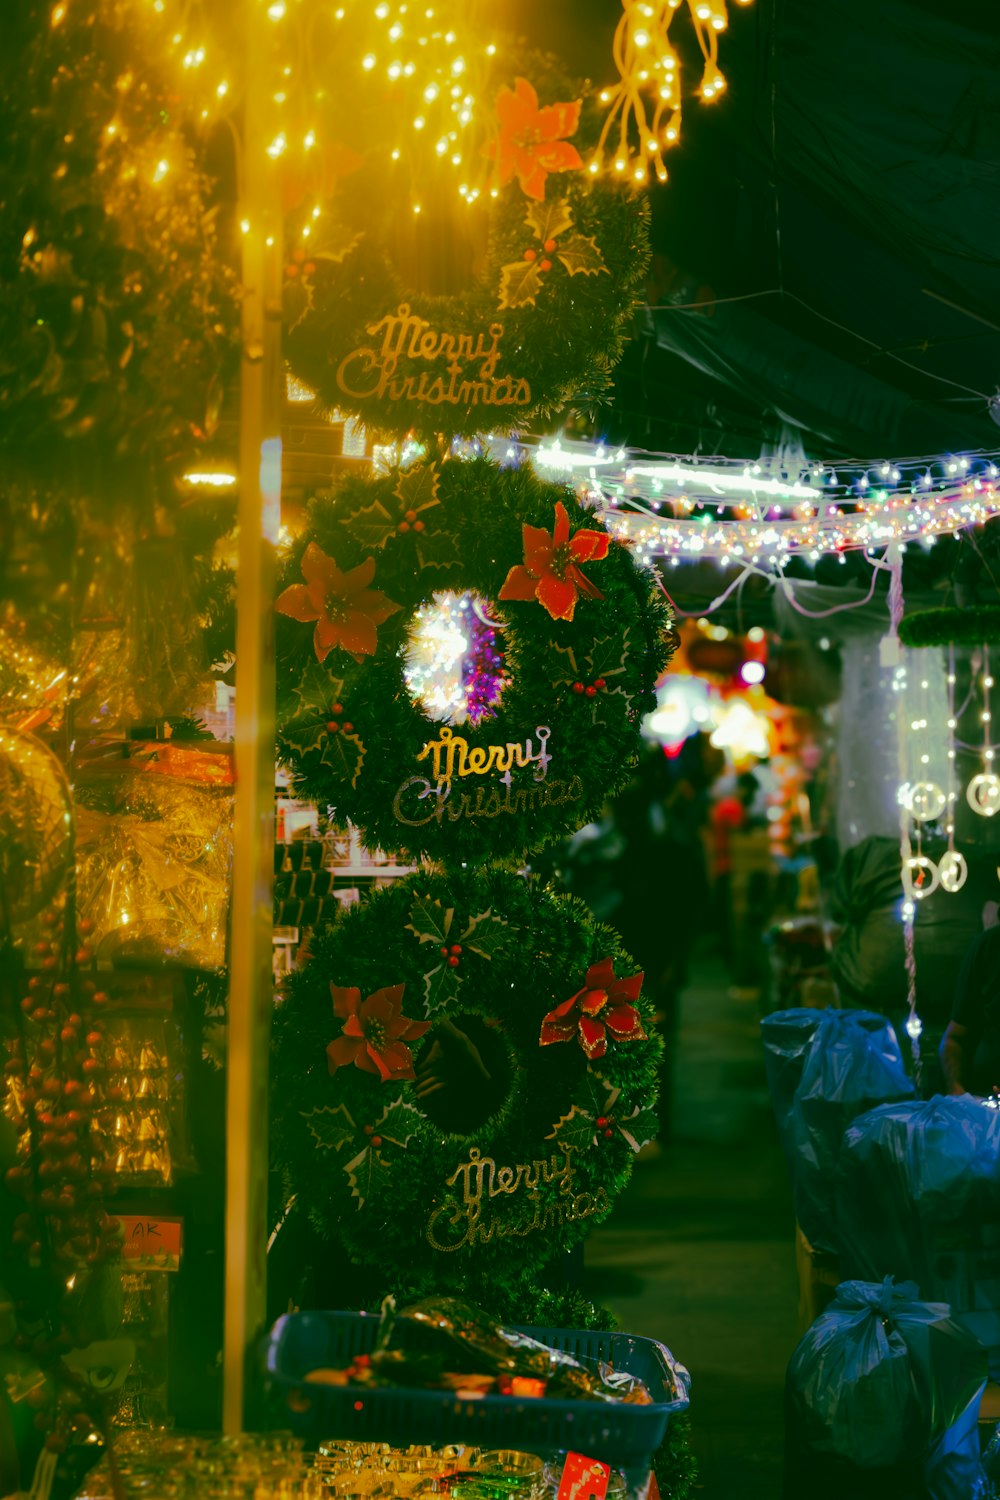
(530, 142)
(549, 572)
(604, 1004)
(345, 609)
(374, 1033)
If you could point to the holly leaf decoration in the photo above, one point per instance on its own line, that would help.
(549, 219)
(602, 711)
(418, 488)
(297, 302)
(344, 753)
(441, 986)
(399, 1123)
(608, 655)
(437, 549)
(581, 256)
(371, 527)
(331, 1129)
(599, 1095)
(306, 736)
(429, 920)
(335, 257)
(575, 1131)
(607, 659)
(570, 672)
(639, 1128)
(306, 731)
(367, 1174)
(520, 283)
(316, 690)
(485, 934)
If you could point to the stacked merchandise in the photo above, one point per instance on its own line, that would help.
(277, 1467)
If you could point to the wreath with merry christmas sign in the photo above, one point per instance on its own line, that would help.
(462, 1073)
(542, 323)
(557, 639)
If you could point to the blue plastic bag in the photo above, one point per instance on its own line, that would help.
(918, 1195)
(824, 1067)
(882, 1397)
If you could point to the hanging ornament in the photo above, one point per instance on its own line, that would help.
(952, 867)
(983, 794)
(920, 876)
(953, 871)
(925, 801)
(983, 791)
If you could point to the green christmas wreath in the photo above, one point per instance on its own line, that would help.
(565, 639)
(547, 304)
(462, 1073)
(970, 626)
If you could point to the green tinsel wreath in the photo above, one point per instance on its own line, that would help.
(943, 627)
(542, 323)
(348, 727)
(501, 1152)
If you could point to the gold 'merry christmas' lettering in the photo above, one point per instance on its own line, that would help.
(469, 377)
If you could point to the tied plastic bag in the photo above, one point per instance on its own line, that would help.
(823, 1069)
(882, 1398)
(918, 1195)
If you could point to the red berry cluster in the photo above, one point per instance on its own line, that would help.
(335, 725)
(452, 954)
(376, 1140)
(605, 1123)
(299, 264)
(410, 520)
(56, 1092)
(545, 263)
(590, 689)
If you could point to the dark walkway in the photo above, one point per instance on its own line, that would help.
(700, 1251)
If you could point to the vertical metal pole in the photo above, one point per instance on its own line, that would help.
(250, 990)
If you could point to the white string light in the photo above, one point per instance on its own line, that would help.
(952, 866)
(983, 791)
(750, 514)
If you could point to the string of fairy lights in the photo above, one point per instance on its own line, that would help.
(428, 73)
(682, 508)
(646, 103)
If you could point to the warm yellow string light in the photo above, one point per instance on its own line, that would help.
(646, 102)
(429, 59)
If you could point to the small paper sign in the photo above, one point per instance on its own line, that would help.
(583, 1478)
(152, 1244)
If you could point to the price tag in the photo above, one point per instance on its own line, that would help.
(152, 1244)
(583, 1478)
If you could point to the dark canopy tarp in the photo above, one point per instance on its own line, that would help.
(853, 165)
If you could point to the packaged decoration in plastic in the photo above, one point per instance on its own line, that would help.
(882, 1399)
(444, 1341)
(143, 1124)
(154, 852)
(918, 1195)
(823, 1069)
